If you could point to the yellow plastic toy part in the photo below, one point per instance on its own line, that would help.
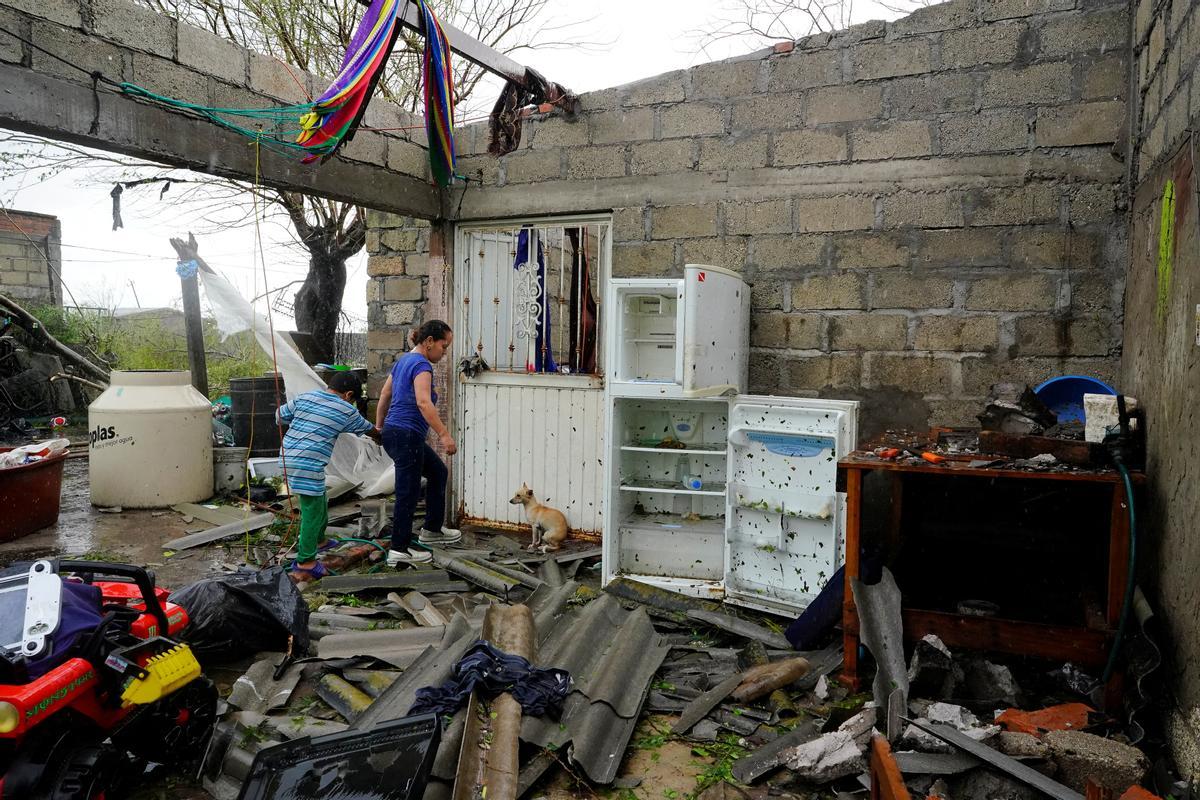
(166, 672)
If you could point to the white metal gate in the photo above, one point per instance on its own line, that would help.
(527, 298)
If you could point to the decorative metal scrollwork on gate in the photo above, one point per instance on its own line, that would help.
(528, 303)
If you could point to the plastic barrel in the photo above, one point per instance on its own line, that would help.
(252, 414)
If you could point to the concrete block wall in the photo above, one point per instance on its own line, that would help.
(924, 207)
(1161, 359)
(383, 165)
(1166, 46)
(398, 289)
(31, 258)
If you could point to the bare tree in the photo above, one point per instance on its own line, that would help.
(766, 21)
(314, 37)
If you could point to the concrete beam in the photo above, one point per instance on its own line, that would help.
(860, 178)
(59, 109)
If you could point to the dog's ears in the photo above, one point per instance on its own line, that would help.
(525, 486)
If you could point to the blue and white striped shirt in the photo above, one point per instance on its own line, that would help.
(315, 420)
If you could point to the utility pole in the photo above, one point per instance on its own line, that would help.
(133, 289)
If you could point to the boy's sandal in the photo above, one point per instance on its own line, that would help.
(328, 544)
(314, 573)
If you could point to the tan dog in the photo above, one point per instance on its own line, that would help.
(549, 525)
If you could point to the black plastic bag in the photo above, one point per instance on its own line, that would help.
(244, 613)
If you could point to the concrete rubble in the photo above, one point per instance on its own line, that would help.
(1081, 757)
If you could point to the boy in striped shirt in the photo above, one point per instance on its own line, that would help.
(315, 420)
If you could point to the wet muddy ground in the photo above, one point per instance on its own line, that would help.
(131, 536)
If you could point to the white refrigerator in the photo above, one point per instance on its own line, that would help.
(709, 491)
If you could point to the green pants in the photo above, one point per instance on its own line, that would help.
(314, 516)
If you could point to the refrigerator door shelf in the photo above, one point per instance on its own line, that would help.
(818, 507)
(784, 566)
(783, 443)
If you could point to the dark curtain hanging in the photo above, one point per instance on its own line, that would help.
(583, 309)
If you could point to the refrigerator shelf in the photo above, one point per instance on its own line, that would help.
(673, 523)
(713, 489)
(688, 451)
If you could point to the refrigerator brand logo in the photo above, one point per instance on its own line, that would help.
(107, 436)
(700, 277)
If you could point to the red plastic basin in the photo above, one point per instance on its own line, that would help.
(29, 496)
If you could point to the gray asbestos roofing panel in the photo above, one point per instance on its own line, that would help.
(612, 655)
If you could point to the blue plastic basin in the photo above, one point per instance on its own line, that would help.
(1064, 395)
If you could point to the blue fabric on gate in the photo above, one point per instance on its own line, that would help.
(493, 671)
(543, 362)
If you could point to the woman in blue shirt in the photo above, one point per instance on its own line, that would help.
(407, 410)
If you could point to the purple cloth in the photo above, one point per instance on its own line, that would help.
(79, 615)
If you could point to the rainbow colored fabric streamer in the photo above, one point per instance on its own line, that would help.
(335, 115)
(439, 98)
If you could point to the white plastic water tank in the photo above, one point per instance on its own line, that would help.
(151, 441)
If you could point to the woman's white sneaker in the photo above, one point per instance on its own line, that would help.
(395, 558)
(444, 536)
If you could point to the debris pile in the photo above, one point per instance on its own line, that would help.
(538, 681)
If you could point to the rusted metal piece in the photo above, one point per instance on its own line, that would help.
(886, 781)
(522, 528)
(488, 760)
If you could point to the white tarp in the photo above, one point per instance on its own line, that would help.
(355, 458)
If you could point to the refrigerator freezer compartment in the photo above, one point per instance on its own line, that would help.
(786, 503)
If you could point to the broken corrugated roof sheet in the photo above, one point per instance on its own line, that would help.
(612, 654)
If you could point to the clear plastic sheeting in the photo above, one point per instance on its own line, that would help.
(357, 460)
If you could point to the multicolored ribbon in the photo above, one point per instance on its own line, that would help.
(439, 98)
(335, 115)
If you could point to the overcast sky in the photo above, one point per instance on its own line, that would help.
(637, 39)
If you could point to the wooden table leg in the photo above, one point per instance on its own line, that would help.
(853, 550)
(1118, 576)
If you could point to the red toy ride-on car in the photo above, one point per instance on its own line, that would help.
(91, 686)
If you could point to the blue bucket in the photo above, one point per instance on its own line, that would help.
(1064, 395)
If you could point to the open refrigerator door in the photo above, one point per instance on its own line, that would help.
(784, 518)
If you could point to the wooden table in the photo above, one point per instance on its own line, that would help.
(1086, 646)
